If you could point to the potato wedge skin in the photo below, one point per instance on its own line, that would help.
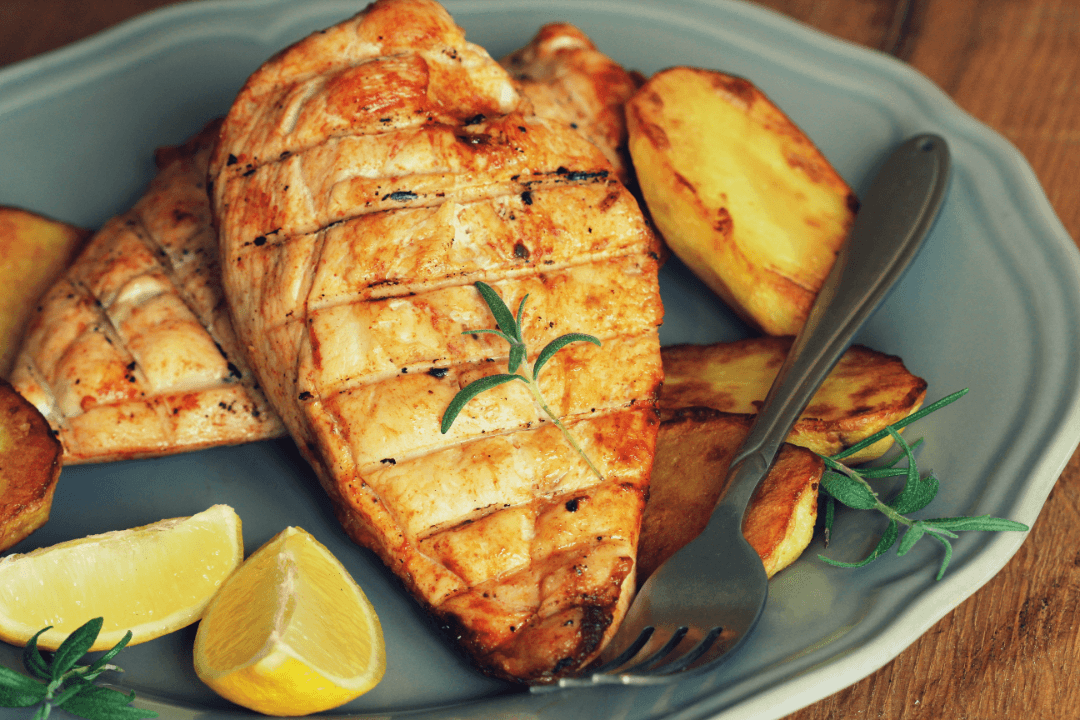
(739, 193)
(693, 451)
(30, 461)
(36, 250)
(866, 391)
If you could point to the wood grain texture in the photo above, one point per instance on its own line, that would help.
(1010, 650)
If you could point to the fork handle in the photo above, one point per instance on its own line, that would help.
(896, 214)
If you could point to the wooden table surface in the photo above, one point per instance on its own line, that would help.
(1011, 649)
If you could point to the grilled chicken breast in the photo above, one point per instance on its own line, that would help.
(560, 71)
(568, 80)
(131, 353)
(365, 178)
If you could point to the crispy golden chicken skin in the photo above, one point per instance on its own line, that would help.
(365, 178)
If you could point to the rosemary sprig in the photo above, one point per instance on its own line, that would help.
(518, 367)
(851, 488)
(61, 683)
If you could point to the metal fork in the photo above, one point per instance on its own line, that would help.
(702, 604)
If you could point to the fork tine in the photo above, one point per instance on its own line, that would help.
(682, 652)
(688, 659)
(628, 654)
(652, 669)
(655, 658)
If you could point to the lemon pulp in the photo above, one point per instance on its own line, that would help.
(151, 580)
(291, 633)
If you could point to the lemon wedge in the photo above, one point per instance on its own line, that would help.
(151, 580)
(290, 633)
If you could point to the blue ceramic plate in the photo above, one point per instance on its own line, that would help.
(991, 304)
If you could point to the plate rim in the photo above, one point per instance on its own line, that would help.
(810, 686)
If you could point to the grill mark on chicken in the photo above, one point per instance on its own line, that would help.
(450, 244)
(357, 335)
(298, 195)
(567, 79)
(126, 385)
(515, 467)
(206, 310)
(114, 305)
(133, 353)
(368, 464)
(309, 390)
(179, 263)
(544, 608)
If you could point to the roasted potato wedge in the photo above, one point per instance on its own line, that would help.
(29, 467)
(866, 391)
(738, 192)
(693, 452)
(36, 250)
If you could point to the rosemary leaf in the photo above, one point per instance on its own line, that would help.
(916, 495)
(517, 366)
(909, 455)
(517, 356)
(849, 491)
(946, 557)
(888, 539)
(911, 537)
(74, 647)
(72, 686)
(981, 522)
(917, 415)
(63, 683)
(556, 345)
(101, 703)
(520, 314)
(18, 690)
(881, 473)
(498, 308)
(830, 515)
(32, 660)
(102, 662)
(470, 391)
(851, 487)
